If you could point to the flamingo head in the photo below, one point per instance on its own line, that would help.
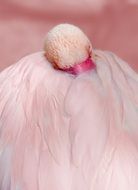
(66, 45)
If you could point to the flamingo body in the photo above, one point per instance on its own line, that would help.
(65, 132)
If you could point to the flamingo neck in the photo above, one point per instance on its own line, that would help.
(84, 66)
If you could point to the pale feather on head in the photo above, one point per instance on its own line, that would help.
(66, 45)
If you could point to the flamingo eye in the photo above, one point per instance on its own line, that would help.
(90, 50)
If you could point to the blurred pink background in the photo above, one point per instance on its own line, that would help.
(110, 24)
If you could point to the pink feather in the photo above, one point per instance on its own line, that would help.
(63, 132)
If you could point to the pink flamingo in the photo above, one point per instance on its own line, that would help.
(72, 127)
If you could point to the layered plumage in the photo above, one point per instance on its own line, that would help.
(65, 132)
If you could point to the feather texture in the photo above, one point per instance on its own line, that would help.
(60, 132)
